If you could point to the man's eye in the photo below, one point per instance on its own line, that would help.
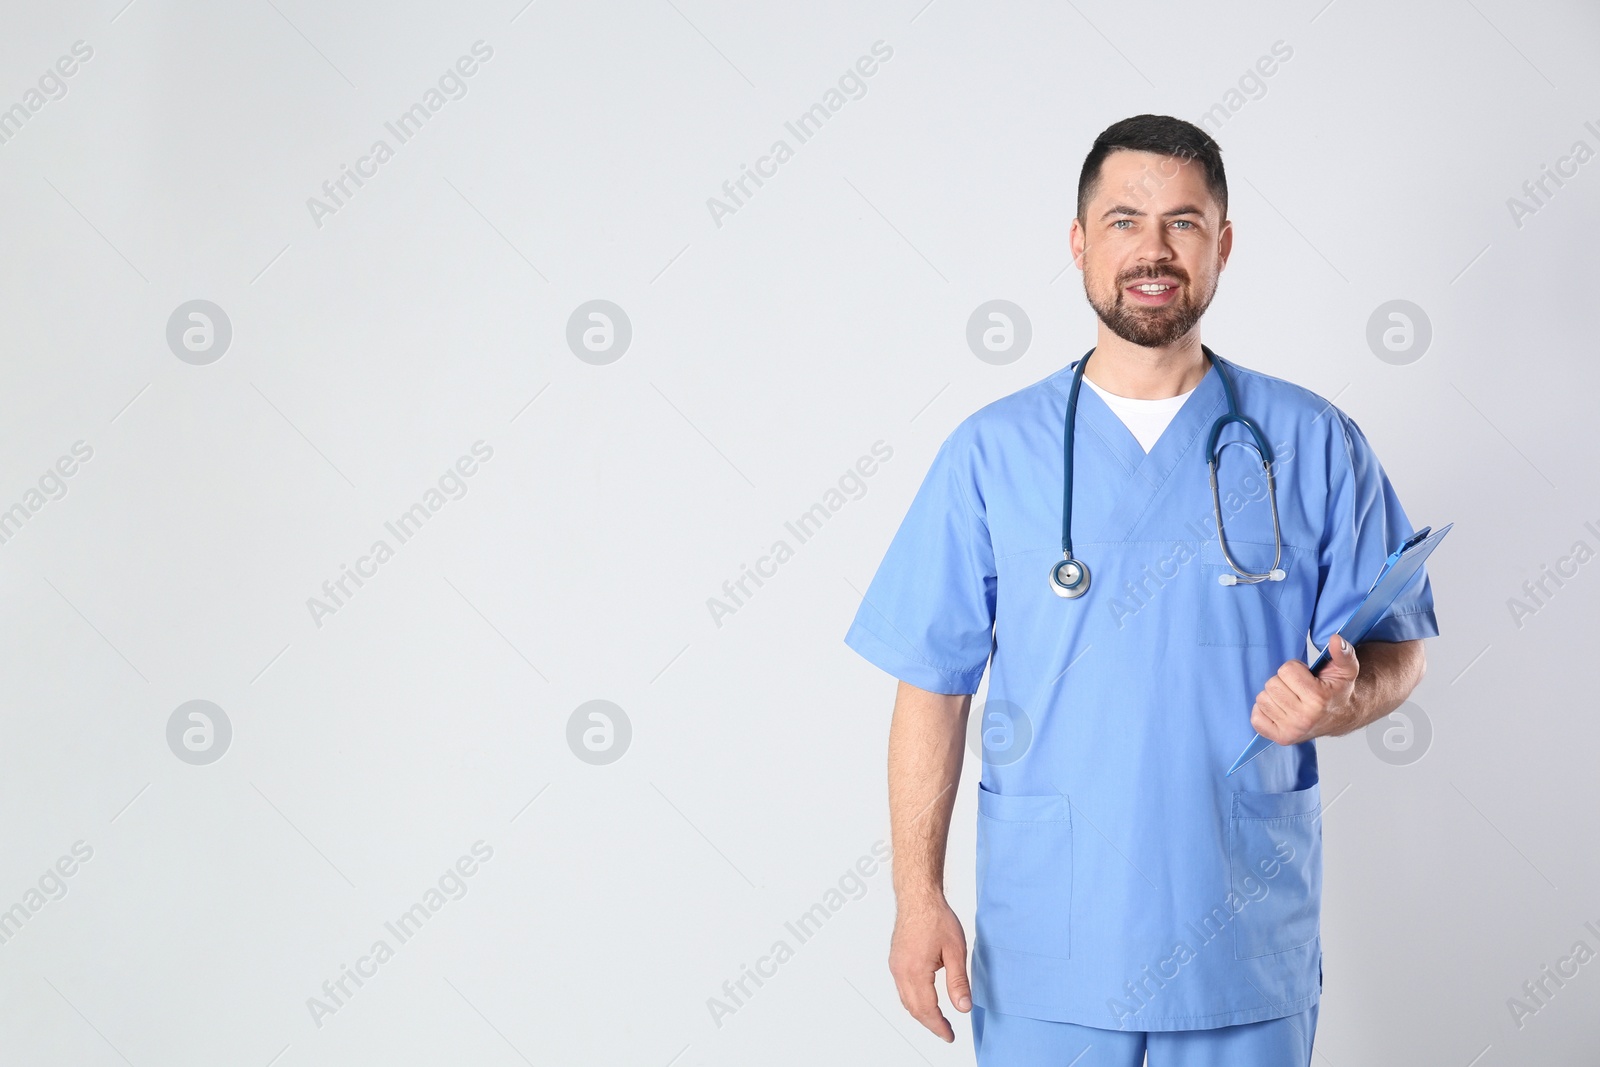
(1119, 223)
(1183, 222)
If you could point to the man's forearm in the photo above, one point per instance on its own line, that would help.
(1390, 670)
(925, 739)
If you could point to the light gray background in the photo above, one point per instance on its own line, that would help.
(768, 354)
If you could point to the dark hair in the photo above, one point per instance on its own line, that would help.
(1155, 133)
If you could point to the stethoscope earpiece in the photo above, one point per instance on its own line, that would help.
(1276, 574)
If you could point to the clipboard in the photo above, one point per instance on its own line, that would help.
(1392, 580)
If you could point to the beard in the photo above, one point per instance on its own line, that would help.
(1140, 324)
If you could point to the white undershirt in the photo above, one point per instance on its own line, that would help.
(1145, 419)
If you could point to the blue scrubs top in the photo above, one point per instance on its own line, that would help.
(1124, 881)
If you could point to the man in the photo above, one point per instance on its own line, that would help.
(1134, 899)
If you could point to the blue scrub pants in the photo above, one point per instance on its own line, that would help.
(1013, 1041)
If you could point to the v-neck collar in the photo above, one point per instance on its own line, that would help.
(1147, 471)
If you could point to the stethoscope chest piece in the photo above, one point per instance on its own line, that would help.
(1069, 578)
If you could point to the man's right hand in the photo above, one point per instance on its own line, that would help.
(928, 936)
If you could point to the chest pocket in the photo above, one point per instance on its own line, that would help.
(1238, 615)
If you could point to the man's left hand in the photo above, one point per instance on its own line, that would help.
(1296, 705)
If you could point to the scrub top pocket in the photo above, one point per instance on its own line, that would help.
(1235, 615)
(1275, 862)
(1025, 873)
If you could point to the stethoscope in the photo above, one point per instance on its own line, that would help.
(1070, 577)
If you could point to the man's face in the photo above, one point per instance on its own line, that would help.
(1151, 244)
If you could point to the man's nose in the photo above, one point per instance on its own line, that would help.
(1154, 246)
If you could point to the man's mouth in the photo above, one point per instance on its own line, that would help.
(1153, 293)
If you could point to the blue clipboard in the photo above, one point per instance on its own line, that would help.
(1398, 571)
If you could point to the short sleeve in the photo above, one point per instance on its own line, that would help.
(928, 615)
(1365, 523)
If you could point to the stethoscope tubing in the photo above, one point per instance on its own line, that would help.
(1070, 577)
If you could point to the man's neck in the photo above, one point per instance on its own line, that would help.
(1129, 370)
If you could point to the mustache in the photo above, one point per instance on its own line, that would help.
(1129, 277)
